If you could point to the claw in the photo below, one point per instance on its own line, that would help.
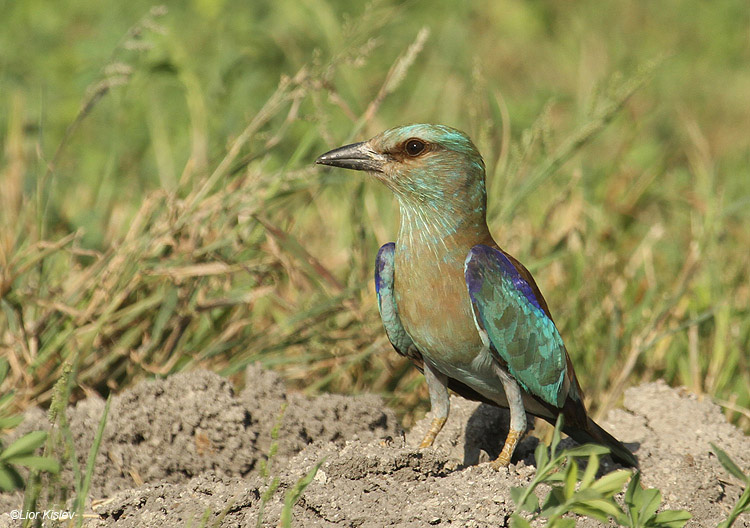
(500, 462)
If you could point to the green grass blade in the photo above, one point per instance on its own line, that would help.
(80, 500)
(25, 445)
(294, 494)
(729, 464)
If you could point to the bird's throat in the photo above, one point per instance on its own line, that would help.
(441, 233)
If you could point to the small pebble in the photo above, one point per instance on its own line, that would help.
(321, 476)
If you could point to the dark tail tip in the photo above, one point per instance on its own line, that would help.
(596, 434)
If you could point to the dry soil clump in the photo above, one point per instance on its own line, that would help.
(179, 449)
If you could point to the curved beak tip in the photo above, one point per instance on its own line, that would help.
(357, 156)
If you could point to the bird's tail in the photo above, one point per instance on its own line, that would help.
(596, 434)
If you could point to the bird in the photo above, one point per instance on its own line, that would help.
(468, 314)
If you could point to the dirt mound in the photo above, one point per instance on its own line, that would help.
(188, 448)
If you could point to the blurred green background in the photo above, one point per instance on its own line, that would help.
(159, 209)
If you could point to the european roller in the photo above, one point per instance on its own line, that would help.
(466, 313)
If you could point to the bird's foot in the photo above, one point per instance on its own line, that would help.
(503, 459)
(500, 462)
(435, 427)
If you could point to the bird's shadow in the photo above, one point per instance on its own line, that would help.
(485, 434)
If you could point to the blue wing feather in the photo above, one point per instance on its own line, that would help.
(519, 330)
(384, 273)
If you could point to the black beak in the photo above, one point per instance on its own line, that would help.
(358, 156)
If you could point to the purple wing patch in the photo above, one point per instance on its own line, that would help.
(483, 258)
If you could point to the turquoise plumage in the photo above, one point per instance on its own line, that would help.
(466, 313)
(387, 304)
(518, 330)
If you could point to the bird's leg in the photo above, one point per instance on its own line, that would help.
(517, 418)
(437, 385)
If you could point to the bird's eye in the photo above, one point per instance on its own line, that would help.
(414, 147)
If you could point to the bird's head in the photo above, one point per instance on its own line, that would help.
(425, 165)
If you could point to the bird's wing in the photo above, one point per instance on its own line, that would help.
(395, 331)
(511, 311)
(399, 338)
(522, 335)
